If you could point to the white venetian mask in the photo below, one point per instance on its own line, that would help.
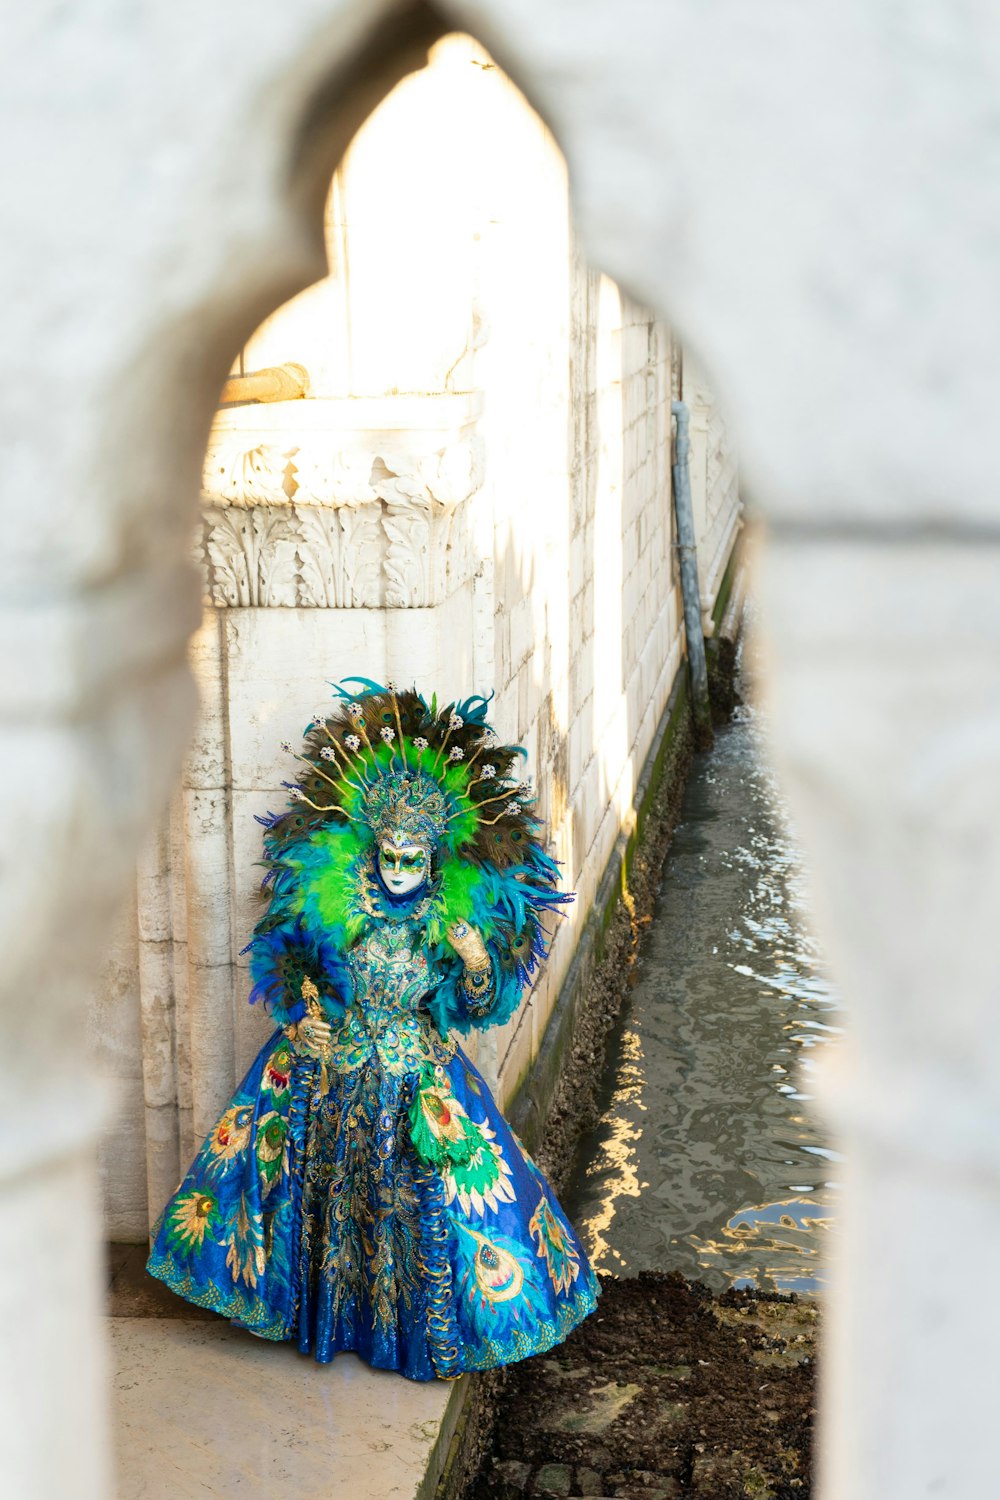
(403, 867)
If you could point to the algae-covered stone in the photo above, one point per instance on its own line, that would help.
(509, 1479)
(553, 1479)
(642, 1484)
(729, 1472)
(602, 1405)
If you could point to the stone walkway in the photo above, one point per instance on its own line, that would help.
(203, 1409)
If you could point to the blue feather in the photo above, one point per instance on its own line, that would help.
(292, 947)
(473, 709)
(368, 687)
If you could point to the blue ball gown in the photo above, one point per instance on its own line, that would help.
(375, 1199)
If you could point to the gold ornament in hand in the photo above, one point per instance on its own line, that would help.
(313, 1034)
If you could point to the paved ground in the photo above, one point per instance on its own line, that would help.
(203, 1409)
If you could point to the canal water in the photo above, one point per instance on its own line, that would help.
(708, 1158)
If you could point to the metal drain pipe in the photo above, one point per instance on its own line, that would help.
(690, 588)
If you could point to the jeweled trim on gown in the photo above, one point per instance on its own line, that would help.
(308, 1214)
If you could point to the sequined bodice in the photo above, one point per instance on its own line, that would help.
(391, 975)
(391, 972)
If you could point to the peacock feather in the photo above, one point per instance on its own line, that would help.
(286, 952)
(499, 1290)
(555, 1246)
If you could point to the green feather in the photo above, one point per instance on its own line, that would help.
(456, 897)
(435, 1150)
(327, 870)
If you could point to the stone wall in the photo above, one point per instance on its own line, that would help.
(474, 496)
(714, 483)
(589, 642)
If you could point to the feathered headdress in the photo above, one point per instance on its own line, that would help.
(386, 764)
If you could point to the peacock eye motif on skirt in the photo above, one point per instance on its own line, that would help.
(278, 1072)
(270, 1147)
(555, 1247)
(499, 1275)
(231, 1135)
(191, 1216)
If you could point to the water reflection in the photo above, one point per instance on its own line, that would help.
(707, 1157)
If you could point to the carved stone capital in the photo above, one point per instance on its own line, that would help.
(330, 514)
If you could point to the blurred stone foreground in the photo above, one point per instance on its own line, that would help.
(449, 462)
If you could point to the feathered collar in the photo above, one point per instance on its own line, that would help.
(425, 906)
(378, 902)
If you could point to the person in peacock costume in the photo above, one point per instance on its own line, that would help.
(362, 1190)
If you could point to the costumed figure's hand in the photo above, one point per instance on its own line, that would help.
(312, 1034)
(471, 949)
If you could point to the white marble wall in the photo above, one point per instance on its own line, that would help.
(588, 633)
(714, 483)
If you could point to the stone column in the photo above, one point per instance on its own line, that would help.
(105, 752)
(206, 833)
(157, 998)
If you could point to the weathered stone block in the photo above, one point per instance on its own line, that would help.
(553, 1479)
(508, 1479)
